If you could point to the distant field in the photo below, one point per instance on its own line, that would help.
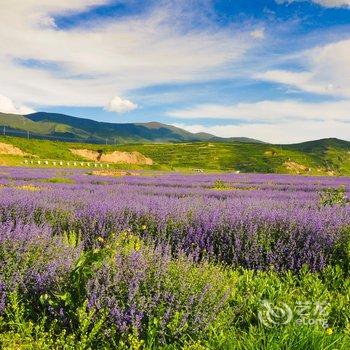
(329, 156)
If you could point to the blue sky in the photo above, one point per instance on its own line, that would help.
(276, 70)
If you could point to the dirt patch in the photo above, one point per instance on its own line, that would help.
(126, 157)
(296, 167)
(8, 149)
(114, 157)
(87, 154)
(326, 171)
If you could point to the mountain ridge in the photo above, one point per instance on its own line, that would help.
(59, 125)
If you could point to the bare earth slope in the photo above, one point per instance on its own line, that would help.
(114, 157)
(8, 149)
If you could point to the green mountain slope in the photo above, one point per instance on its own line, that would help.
(68, 128)
(322, 157)
(332, 152)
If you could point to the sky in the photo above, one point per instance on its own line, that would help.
(274, 70)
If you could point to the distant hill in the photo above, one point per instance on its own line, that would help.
(333, 153)
(321, 145)
(63, 127)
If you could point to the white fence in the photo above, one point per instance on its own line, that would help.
(60, 163)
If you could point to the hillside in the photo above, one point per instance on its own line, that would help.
(53, 126)
(322, 157)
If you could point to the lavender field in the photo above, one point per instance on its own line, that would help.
(172, 261)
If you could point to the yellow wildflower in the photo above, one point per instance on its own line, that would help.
(329, 331)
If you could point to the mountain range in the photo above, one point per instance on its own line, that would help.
(63, 127)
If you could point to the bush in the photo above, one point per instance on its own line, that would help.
(146, 294)
(32, 261)
(333, 196)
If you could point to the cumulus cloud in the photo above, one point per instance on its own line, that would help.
(130, 53)
(326, 70)
(269, 111)
(296, 131)
(8, 106)
(120, 105)
(324, 3)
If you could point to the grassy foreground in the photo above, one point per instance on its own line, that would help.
(224, 316)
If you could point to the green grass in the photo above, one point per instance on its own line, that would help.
(321, 157)
(62, 180)
(236, 326)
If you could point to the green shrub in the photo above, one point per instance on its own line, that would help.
(333, 196)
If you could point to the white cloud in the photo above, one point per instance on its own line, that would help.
(258, 33)
(8, 106)
(48, 22)
(273, 121)
(326, 70)
(130, 53)
(269, 111)
(296, 131)
(324, 3)
(332, 3)
(120, 105)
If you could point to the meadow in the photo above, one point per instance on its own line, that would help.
(173, 261)
(321, 157)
